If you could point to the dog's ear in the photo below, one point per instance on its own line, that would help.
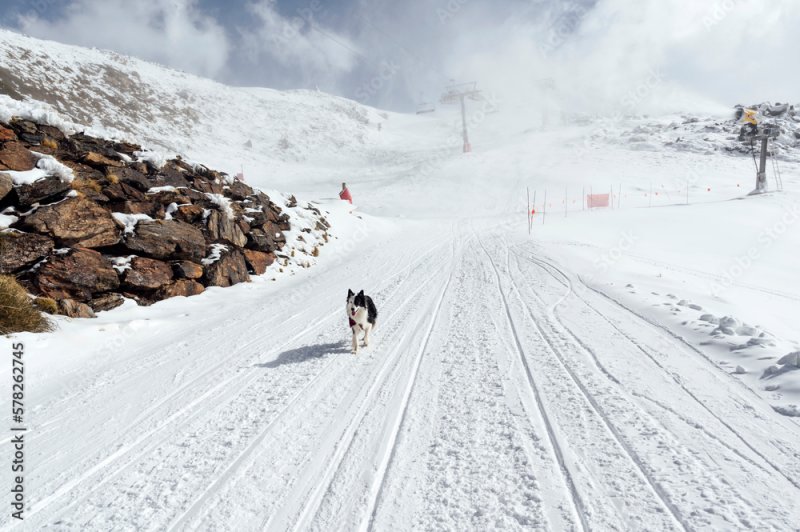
(361, 294)
(349, 293)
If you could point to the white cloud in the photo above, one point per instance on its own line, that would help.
(172, 33)
(299, 41)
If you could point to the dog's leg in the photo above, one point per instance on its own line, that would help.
(367, 329)
(355, 341)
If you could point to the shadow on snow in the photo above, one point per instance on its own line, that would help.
(306, 353)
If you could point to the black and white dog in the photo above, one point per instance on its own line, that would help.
(361, 315)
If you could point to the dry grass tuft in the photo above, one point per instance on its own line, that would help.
(17, 311)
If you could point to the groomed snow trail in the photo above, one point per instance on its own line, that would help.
(500, 392)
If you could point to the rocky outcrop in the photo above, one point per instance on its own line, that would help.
(123, 227)
(228, 270)
(147, 274)
(75, 222)
(164, 239)
(6, 185)
(75, 309)
(108, 301)
(14, 156)
(22, 250)
(185, 269)
(77, 274)
(182, 287)
(41, 191)
(258, 261)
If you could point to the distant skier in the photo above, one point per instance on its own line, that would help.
(345, 193)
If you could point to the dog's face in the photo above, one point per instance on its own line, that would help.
(355, 302)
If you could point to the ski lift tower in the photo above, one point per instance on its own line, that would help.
(755, 130)
(458, 92)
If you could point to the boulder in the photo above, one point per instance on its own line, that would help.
(99, 160)
(147, 274)
(230, 269)
(14, 156)
(22, 250)
(127, 148)
(108, 301)
(44, 190)
(268, 237)
(6, 185)
(123, 192)
(7, 134)
(181, 287)
(257, 239)
(76, 275)
(222, 227)
(75, 309)
(52, 133)
(21, 125)
(189, 213)
(129, 176)
(164, 239)
(258, 261)
(140, 207)
(187, 270)
(239, 190)
(172, 175)
(77, 222)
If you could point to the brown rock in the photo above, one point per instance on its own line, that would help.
(268, 238)
(75, 309)
(47, 189)
(22, 250)
(129, 176)
(98, 160)
(222, 227)
(6, 185)
(239, 190)
(76, 275)
(108, 301)
(52, 132)
(165, 239)
(123, 192)
(181, 287)
(147, 274)
(258, 261)
(14, 156)
(127, 148)
(7, 134)
(141, 207)
(189, 213)
(77, 222)
(173, 175)
(230, 269)
(187, 270)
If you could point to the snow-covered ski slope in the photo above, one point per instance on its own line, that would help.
(563, 380)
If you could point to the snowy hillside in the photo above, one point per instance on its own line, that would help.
(180, 113)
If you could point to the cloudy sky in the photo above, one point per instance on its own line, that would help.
(599, 54)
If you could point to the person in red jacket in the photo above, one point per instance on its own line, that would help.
(345, 194)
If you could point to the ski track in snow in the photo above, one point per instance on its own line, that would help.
(500, 392)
